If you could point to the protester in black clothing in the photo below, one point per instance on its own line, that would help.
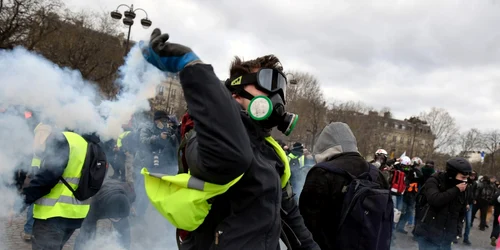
(441, 206)
(427, 170)
(321, 198)
(484, 194)
(470, 196)
(230, 142)
(111, 202)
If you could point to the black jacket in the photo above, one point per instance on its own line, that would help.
(228, 144)
(440, 208)
(321, 201)
(485, 191)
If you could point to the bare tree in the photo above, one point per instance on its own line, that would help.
(87, 42)
(19, 18)
(306, 99)
(469, 141)
(443, 126)
(491, 142)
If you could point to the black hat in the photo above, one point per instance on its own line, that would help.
(429, 163)
(458, 165)
(160, 115)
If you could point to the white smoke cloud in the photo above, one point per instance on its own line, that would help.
(63, 97)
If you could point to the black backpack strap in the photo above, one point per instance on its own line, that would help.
(66, 184)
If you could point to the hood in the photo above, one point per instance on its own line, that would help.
(92, 138)
(336, 138)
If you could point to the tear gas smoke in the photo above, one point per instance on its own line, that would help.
(63, 98)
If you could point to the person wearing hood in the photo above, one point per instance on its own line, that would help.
(483, 196)
(231, 143)
(321, 199)
(113, 202)
(427, 170)
(56, 211)
(441, 206)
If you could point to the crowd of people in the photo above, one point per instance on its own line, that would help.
(221, 179)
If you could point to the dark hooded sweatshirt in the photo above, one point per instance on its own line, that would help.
(111, 202)
(228, 144)
(321, 198)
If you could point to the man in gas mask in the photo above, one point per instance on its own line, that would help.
(232, 140)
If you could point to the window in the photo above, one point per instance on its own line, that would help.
(401, 139)
(394, 138)
(409, 141)
(160, 89)
(385, 124)
(400, 126)
(174, 91)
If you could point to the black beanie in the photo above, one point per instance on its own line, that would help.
(160, 115)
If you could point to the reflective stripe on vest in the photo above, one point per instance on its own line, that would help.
(120, 138)
(61, 202)
(184, 199)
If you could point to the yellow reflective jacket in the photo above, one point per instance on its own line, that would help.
(183, 199)
(61, 202)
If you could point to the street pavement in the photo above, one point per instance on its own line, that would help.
(154, 233)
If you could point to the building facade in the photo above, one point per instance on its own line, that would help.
(412, 136)
(169, 96)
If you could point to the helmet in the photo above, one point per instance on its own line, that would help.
(459, 165)
(405, 161)
(417, 161)
(381, 152)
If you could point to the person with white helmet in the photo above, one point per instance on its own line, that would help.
(380, 161)
(412, 181)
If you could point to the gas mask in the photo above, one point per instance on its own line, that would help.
(270, 111)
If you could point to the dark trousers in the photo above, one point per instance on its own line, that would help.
(496, 227)
(424, 244)
(481, 205)
(48, 235)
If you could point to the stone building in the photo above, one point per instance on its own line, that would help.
(409, 135)
(169, 96)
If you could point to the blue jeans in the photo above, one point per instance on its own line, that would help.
(468, 221)
(398, 202)
(407, 212)
(28, 226)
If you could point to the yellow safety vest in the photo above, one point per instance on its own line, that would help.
(61, 202)
(301, 159)
(183, 199)
(120, 138)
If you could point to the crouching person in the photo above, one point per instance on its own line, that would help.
(112, 202)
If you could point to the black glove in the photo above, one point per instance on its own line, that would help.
(167, 56)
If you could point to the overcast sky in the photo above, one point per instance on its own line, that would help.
(406, 55)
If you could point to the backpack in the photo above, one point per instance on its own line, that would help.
(367, 211)
(93, 173)
(398, 185)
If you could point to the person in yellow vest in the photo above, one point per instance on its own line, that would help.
(56, 211)
(120, 157)
(233, 148)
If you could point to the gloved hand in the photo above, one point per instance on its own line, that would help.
(167, 56)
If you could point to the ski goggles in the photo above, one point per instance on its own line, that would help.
(268, 80)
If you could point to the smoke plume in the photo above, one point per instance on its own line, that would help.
(63, 98)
